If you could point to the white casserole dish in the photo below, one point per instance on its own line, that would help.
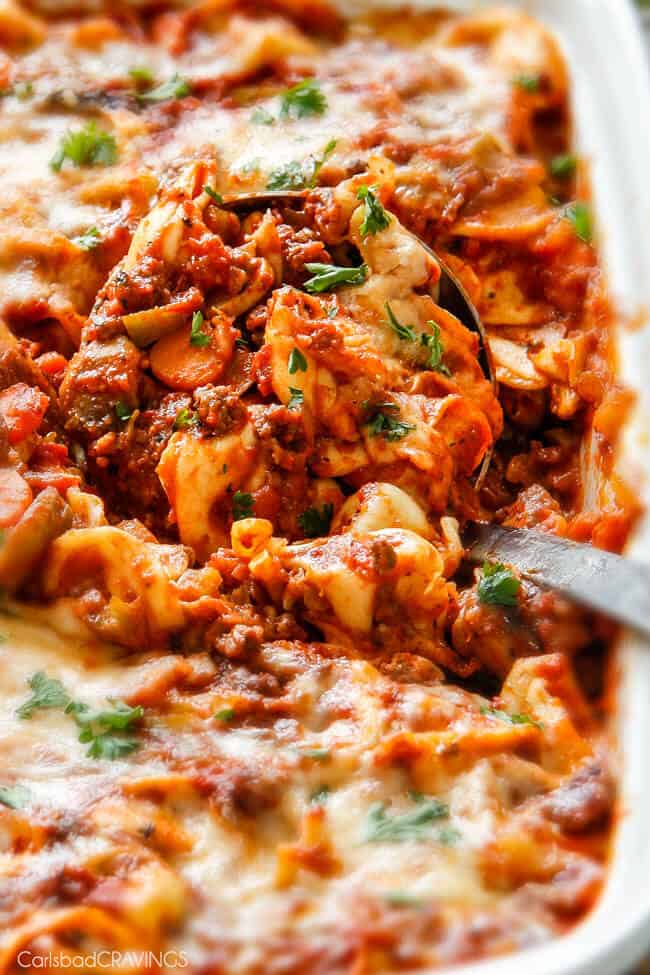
(604, 47)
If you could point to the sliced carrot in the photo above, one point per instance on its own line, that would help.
(181, 365)
(15, 496)
(23, 407)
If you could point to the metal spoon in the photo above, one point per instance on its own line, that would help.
(585, 574)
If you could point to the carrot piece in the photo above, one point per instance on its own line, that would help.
(23, 407)
(15, 496)
(181, 365)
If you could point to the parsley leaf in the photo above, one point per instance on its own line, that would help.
(297, 398)
(319, 796)
(185, 418)
(47, 692)
(400, 898)
(498, 585)
(435, 350)
(15, 797)
(579, 215)
(142, 75)
(412, 825)
(243, 505)
(528, 82)
(509, 718)
(329, 276)
(24, 90)
(386, 424)
(291, 176)
(90, 239)
(317, 754)
(123, 412)
(214, 196)
(198, 337)
(97, 728)
(175, 87)
(319, 163)
(296, 362)
(561, 167)
(89, 146)
(375, 217)
(226, 715)
(404, 332)
(303, 99)
(316, 522)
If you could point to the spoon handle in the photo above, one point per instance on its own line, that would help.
(615, 586)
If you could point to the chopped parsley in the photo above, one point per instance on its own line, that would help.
(198, 337)
(404, 332)
(413, 825)
(315, 522)
(97, 728)
(23, 90)
(400, 898)
(448, 836)
(243, 506)
(185, 418)
(15, 797)
(296, 362)
(226, 715)
(328, 276)
(89, 146)
(175, 87)
(375, 217)
(214, 196)
(123, 412)
(142, 75)
(291, 176)
(317, 754)
(297, 398)
(90, 239)
(386, 424)
(435, 350)
(261, 116)
(303, 99)
(564, 166)
(242, 343)
(579, 215)
(498, 585)
(47, 692)
(529, 83)
(319, 163)
(509, 718)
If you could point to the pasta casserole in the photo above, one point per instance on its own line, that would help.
(260, 717)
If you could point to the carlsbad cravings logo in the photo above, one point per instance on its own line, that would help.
(114, 960)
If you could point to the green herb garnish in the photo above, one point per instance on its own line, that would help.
(498, 586)
(317, 754)
(319, 796)
(530, 83)
(404, 332)
(510, 718)
(375, 217)
(243, 506)
(47, 692)
(303, 99)
(297, 398)
(185, 418)
(413, 825)
(261, 116)
(142, 75)
(579, 215)
(315, 522)
(198, 337)
(386, 424)
(328, 276)
(296, 362)
(564, 166)
(175, 87)
(226, 715)
(123, 412)
(24, 90)
(214, 196)
(400, 898)
(435, 350)
(89, 240)
(89, 146)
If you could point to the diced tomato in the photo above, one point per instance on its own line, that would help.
(52, 365)
(15, 496)
(23, 407)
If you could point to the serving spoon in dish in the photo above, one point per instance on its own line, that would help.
(585, 574)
